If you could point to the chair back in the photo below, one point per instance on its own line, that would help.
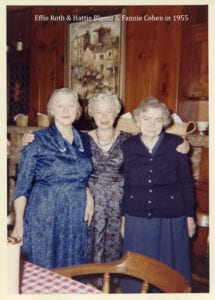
(142, 267)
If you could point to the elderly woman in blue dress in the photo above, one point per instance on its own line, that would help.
(52, 203)
(158, 200)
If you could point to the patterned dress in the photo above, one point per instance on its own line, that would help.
(53, 175)
(106, 185)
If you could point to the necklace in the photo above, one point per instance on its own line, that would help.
(107, 141)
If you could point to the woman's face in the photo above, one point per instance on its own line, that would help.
(104, 114)
(151, 122)
(64, 110)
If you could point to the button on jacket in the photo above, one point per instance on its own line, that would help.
(157, 184)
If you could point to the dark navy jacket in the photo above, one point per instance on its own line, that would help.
(157, 184)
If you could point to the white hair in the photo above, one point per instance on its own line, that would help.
(104, 97)
(152, 102)
(64, 93)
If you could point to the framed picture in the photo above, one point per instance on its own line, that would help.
(95, 54)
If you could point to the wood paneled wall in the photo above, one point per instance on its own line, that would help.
(47, 60)
(153, 51)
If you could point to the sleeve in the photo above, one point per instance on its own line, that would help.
(186, 183)
(26, 170)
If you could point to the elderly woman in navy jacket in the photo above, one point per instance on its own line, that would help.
(158, 200)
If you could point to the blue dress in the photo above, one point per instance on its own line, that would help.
(53, 176)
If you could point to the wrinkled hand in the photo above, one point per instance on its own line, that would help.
(191, 225)
(184, 147)
(27, 138)
(18, 231)
(89, 211)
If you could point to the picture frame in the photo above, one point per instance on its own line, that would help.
(95, 55)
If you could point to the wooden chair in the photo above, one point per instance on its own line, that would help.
(136, 265)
